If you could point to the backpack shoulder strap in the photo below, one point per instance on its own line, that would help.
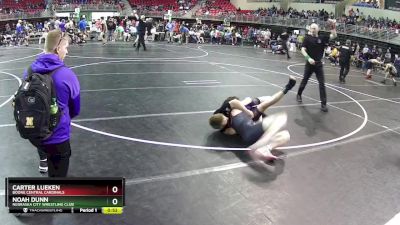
(29, 73)
(53, 88)
(29, 70)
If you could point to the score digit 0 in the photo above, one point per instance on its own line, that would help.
(115, 201)
(114, 189)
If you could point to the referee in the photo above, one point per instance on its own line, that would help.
(313, 51)
(284, 38)
(344, 60)
(141, 31)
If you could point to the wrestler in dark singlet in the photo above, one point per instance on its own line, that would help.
(226, 109)
(248, 130)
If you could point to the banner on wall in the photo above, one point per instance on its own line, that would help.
(392, 5)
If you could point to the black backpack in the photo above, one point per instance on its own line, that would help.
(34, 106)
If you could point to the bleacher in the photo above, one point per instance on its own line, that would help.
(87, 5)
(245, 12)
(162, 5)
(368, 4)
(86, 2)
(27, 6)
(186, 4)
(217, 7)
(156, 5)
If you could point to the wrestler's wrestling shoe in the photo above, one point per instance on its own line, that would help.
(290, 84)
(298, 98)
(324, 108)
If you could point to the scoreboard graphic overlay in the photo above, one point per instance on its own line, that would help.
(65, 195)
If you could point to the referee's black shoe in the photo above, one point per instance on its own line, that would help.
(299, 100)
(324, 108)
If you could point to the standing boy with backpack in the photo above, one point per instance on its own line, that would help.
(43, 115)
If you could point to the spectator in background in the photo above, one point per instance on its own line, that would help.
(357, 48)
(365, 49)
(57, 23)
(184, 33)
(51, 24)
(82, 25)
(200, 36)
(44, 36)
(375, 52)
(396, 64)
(333, 56)
(20, 32)
(111, 26)
(170, 31)
(234, 38)
(8, 28)
(150, 32)
(103, 29)
(388, 56)
(300, 40)
(62, 26)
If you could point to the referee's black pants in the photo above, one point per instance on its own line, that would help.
(285, 47)
(344, 69)
(141, 41)
(57, 157)
(319, 73)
